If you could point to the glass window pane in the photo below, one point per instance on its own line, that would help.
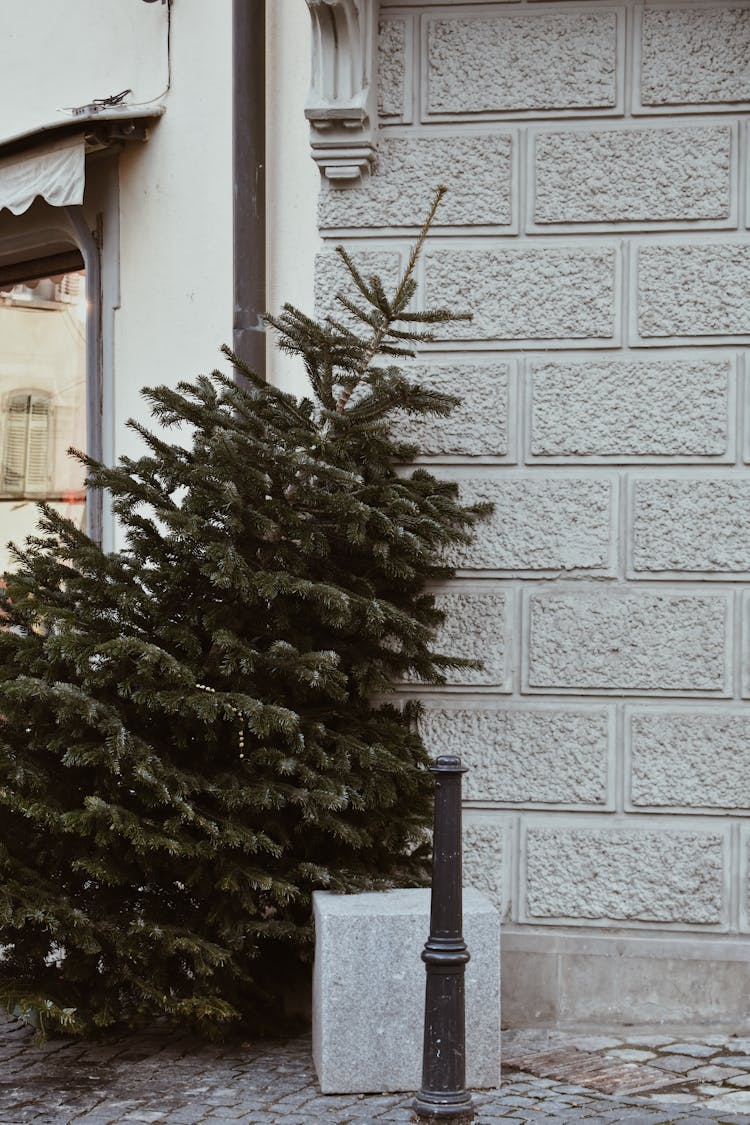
(42, 401)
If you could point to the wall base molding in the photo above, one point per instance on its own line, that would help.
(608, 981)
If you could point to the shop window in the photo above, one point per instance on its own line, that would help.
(43, 397)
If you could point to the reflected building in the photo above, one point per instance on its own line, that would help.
(42, 402)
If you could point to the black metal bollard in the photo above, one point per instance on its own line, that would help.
(443, 1096)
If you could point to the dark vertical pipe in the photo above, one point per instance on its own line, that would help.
(443, 1096)
(94, 389)
(249, 164)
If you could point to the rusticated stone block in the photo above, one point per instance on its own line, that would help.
(745, 892)
(524, 756)
(477, 427)
(693, 759)
(509, 61)
(606, 640)
(369, 988)
(623, 408)
(398, 193)
(391, 66)
(538, 523)
(625, 874)
(475, 629)
(691, 524)
(698, 290)
(695, 54)
(332, 277)
(521, 292)
(486, 860)
(630, 175)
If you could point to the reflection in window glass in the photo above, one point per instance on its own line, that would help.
(42, 401)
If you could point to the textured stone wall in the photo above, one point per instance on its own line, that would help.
(597, 228)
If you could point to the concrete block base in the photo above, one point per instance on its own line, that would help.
(369, 986)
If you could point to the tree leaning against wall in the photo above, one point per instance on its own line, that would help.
(189, 742)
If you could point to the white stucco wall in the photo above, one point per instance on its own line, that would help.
(56, 57)
(293, 179)
(167, 211)
(175, 215)
(165, 214)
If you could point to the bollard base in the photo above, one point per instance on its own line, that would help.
(447, 1108)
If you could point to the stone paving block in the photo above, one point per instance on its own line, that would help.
(697, 1050)
(736, 1101)
(368, 990)
(650, 1040)
(592, 1042)
(631, 1055)
(738, 1043)
(712, 1073)
(678, 1063)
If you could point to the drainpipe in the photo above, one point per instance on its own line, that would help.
(249, 162)
(90, 251)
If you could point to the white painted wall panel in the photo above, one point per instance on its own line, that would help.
(55, 57)
(176, 190)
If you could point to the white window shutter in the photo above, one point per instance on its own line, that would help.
(26, 456)
(37, 456)
(14, 461)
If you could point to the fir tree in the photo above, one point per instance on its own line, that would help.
(190, 738)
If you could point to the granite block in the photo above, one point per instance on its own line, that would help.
(369, 985)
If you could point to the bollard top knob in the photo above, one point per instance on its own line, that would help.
(448, 763)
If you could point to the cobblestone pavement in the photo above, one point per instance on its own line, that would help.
(555, 1076)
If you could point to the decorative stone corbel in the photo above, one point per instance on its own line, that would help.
(342, 103)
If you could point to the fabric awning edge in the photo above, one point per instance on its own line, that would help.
(54, 171)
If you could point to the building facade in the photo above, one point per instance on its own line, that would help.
(96, 175)
(596, 226)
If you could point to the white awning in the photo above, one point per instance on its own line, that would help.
(55, 171)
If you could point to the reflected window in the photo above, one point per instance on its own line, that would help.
(27, 441)
(42, 400)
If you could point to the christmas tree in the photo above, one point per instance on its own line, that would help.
(190, 735)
